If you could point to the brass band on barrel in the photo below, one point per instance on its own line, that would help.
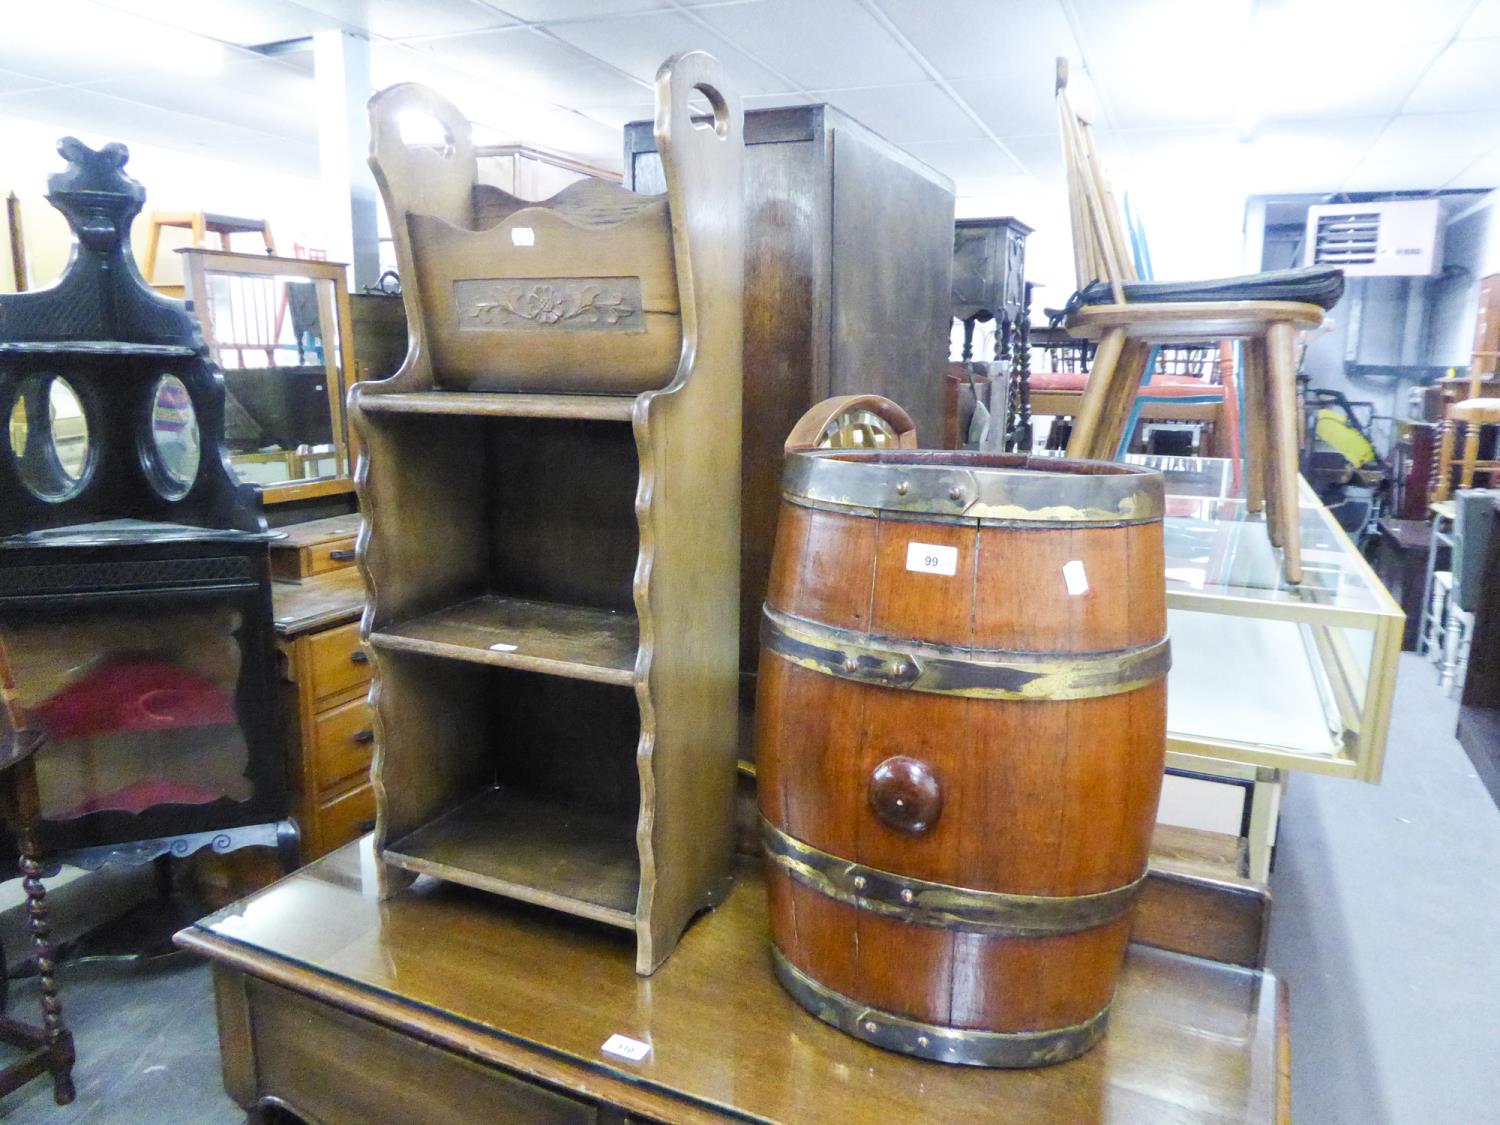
(934, 1041)
(1030, 491)
(942, 905)
(975, 673)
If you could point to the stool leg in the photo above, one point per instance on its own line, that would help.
(1252, 381)
(1096, 393)
(1281, 362)
(1471, 454)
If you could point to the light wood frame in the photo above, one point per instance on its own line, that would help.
(199, 262)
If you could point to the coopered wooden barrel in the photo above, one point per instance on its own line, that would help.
(960, 732)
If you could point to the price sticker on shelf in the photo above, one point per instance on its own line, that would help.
(502, 647)
(1074, 577)
(522, 236)
(928, 558)
(626, 1048)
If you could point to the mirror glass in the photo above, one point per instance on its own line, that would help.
(175, 449)
(49, 437)
(276, 340)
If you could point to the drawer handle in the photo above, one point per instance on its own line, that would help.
(343, 554)
(366, 735)
(359, 656)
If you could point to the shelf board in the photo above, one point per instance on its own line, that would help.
(502, 404)
(579, 642)
(546, 850)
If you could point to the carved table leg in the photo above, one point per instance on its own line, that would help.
(59, 1040)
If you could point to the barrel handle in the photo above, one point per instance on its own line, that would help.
(808, 431)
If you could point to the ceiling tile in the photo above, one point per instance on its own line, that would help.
(553, 11)
(1404, 175)
(978, 38)
(534, 65)
(100, 117)
(1018, 102)
(245, 22)
(402, 19)
(1483, 173)
(833, 44)
(1307, 156)
(253, 93)
(1438, 137)
(1307, 81)
(639, 45)
(11, 83)
(1040, 155)
(964, 160)
(1484, 22)
(1462, 78)
(905, 113)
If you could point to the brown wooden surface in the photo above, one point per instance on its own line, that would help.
(477, 502)
(535, 995)
(848, 254)
(314, 547)
(1040, 797)
(330, 599)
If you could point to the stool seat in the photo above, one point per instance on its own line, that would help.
(1481, 410)
(202, 224)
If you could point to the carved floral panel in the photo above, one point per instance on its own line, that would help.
(572, 304)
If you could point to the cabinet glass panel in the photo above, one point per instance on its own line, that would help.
(1265, 672)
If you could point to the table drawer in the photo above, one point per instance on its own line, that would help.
(330, 1066)
(346, 818)
(333, 555)
(337, 661)
(343, 739)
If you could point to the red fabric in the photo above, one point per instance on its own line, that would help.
(139, 796)
(1161, 386)
(134, 694)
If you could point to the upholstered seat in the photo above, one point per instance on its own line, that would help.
(1313, 285)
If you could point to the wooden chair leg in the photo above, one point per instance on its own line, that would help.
(1443, 486)
(153, 244)
(1252, 378)
(199, 229)
(1129, 373)
(1281, 365)
(1096, 393)
(265, 232)
(1471, 454)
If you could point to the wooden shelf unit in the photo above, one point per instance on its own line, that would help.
(553, 577)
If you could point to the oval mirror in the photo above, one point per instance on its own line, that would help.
(175, 450)
(49, 437)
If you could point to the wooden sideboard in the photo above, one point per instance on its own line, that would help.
(325, 673)
(442, 1004)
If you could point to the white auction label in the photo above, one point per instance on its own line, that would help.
(1077, 581)
(522, 236)
(502, 647)
(931, 559)
(626, 1047)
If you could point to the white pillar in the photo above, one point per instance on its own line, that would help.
(341, 69)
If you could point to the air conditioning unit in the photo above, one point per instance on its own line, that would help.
(1400, 238)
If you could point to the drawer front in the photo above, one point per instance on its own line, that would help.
(346, 818)
(343, 739)
(332, 555)
(337, 660)
(330, 1066)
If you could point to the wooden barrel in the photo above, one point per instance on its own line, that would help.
(960, 732)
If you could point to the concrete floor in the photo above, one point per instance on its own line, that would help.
(1387, 907)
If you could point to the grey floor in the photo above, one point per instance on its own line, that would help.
(1385, 926)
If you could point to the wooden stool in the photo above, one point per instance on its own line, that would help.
(202, 223)
(1470, 416)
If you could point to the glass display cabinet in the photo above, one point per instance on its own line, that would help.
(1266, 676)
(279, 330)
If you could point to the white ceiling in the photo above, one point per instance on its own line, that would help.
(1299, 95)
